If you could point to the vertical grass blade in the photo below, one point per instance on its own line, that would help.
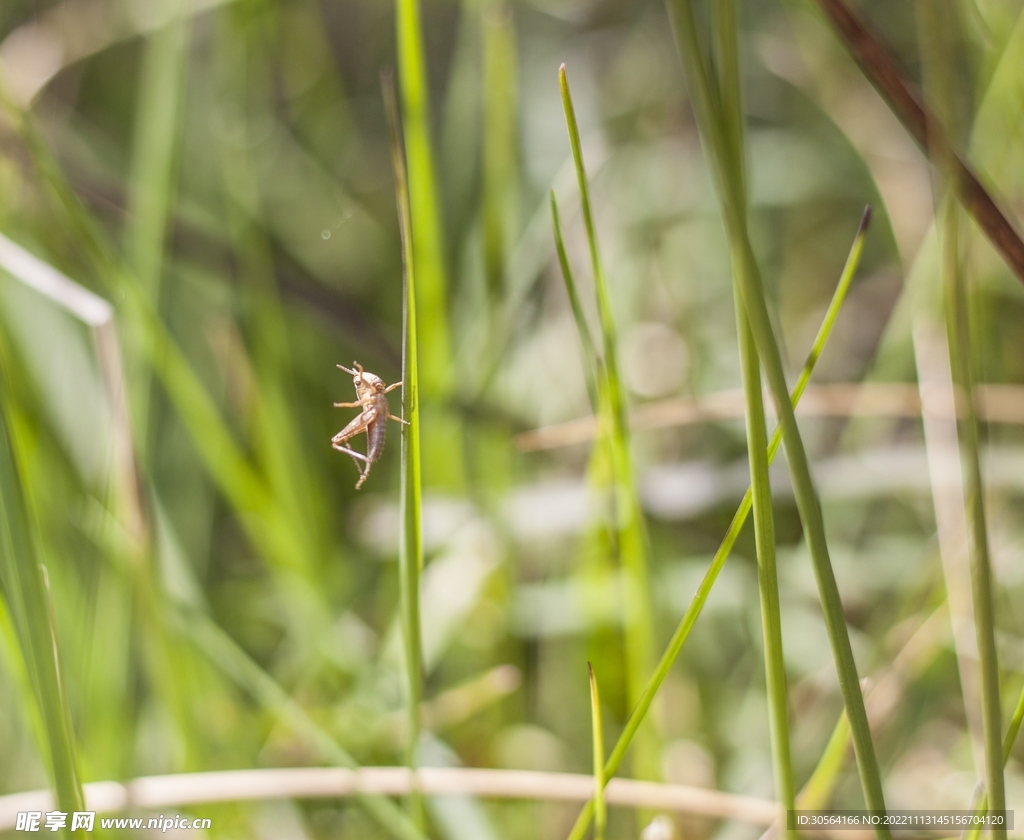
(153, 149)
(590, 357)
(411, 538)
(937, 49)
(727, 174)
(152, 178)
(629, 519)
(500, 199)
(959, 336)
(423, 201)
(693, 611)
(600, 808)
(767, 573)
(25, 583)
(725, 24)
(443, 462)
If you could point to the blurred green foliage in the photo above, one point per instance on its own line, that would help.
(224, 598)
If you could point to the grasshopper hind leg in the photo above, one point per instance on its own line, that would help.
(357, 457)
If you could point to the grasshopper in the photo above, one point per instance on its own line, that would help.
(370, 391)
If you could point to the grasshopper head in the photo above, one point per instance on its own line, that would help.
(362, 380)
(371, 380)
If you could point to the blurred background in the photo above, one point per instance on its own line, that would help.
(219, 172)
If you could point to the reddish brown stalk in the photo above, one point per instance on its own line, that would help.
(881, 69)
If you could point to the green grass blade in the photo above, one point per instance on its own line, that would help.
(411, 536)
(959, 336)
(629, 518)
(500, 199)
(231, 471)
(767, 573)
(727, 172)
(443, 461)
(600, 808)
(822, 781)
(13, 657)
(27, 587)
(1014, 727)
(725, 25)
(228, 466)
(424, 203)
(938, 53)
(152, 177)
(1008, 741)
(273, 435)
(153, 149)
(590, 356)
(693, 611)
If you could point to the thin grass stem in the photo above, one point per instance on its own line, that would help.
(1009, 740)
(423, 200)
(693, 611)
(336, 783)
(411, 536)
(499, 198)
(767, 573)
(591, 359)
(152, 179)
(959, 337)
(725, 25)
(600, 808)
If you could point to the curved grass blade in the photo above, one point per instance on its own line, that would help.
(411, 537)
(693, 611)
(822, 781)
(27, 587)
(227, 465)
